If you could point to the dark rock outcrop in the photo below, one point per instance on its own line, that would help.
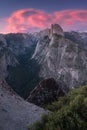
(46, 92)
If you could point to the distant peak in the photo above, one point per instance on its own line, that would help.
(56, 29)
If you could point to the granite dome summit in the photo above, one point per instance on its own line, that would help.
(56, 29)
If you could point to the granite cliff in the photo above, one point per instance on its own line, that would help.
(61, 58)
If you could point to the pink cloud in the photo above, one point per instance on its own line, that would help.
(26, 20)
(70, 19)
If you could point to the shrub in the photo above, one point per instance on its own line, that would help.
(69, 113)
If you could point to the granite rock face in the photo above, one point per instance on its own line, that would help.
(7, 53)
(62, 59)
(6, 58)
(46, 92)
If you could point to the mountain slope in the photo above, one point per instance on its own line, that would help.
(15, 113)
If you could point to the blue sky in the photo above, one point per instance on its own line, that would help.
(8, 7)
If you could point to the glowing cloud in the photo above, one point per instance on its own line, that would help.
(32, 20)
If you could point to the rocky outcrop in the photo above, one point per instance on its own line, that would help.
(46, 92)
(15, 113)
(62, 59)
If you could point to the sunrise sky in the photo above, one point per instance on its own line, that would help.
(34, 15)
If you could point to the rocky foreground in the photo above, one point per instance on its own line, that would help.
(15, 113)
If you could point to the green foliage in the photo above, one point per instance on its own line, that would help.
(62, 101)
(69, 113)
